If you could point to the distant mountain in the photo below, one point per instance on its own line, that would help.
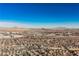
(60, 28)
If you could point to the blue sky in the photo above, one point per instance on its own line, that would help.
(40, 15)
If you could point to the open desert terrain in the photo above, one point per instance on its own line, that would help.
(39, 42)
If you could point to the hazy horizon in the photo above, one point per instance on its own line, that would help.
(20, 25)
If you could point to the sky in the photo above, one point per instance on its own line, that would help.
(39, 15)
